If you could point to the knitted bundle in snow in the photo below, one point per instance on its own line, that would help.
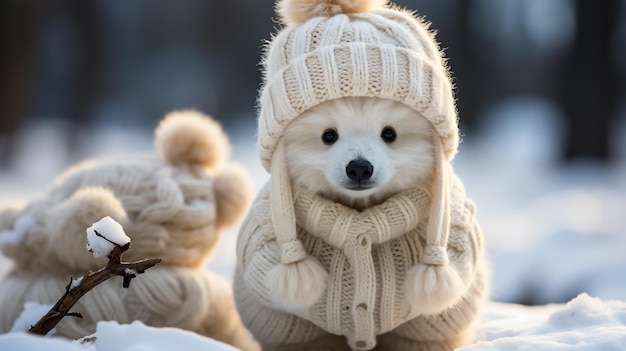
(173, 207)
(293, 279)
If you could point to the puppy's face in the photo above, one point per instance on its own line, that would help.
(359, 151)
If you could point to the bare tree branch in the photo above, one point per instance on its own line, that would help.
(73, 292)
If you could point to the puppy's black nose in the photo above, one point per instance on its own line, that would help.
(359, 170)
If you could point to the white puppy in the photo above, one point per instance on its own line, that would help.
(363, 238)
(359, 151)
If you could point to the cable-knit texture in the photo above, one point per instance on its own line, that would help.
(299, 280)
(367, 255)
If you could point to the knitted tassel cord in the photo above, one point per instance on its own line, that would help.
(299, 280)
(74, 290)
(434, 284)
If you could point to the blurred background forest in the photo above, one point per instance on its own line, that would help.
(87, 63)
(541, 89)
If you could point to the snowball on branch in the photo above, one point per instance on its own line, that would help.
(103, 235)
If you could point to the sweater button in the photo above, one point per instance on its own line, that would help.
(360, 344)
(363, 240)
(362, 307)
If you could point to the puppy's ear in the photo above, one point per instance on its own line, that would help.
(233, 194)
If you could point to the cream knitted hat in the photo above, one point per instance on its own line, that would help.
(336, 48)
(330, 49)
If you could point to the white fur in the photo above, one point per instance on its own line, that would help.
(321, 168)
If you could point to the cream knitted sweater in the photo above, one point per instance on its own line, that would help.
(367, 255)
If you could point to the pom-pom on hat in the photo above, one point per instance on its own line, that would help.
(299, 11)
(330, 49)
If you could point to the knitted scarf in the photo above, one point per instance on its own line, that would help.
(335, 223)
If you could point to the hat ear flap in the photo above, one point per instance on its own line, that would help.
(433, 284)
(299, 279)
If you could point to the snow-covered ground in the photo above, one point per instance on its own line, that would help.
(112, 336)
(553, 231)
(583, 324)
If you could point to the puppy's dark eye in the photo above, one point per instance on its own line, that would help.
(388, 135)
(330, 136)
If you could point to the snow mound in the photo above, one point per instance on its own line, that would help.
(29, 342)
(102, 235)
(111, 336)
(32, 312)
(584, 324)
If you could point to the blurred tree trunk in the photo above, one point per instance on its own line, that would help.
(590, 84)
(472, 93)
(85, 83)
(18, 30)
(464, 67)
